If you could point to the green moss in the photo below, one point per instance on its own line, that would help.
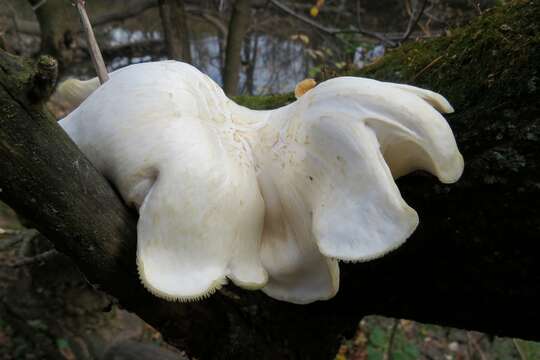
(498, 48)
(16, 73)
(490, 72)
(265, 102)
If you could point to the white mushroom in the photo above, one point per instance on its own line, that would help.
(267, 199)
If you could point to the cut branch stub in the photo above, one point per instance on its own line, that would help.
(31, 80)
(44, 79)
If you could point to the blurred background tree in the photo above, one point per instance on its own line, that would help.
(262, 46)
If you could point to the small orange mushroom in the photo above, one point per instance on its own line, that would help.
(303, 87)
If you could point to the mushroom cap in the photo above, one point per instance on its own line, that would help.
(162, 134)
(303, 87)
(329, 162)
(266, 199)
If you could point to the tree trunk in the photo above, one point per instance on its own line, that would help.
(57, 31)
(173, 17)
(251, 47)
(472, 263)
(238, 26)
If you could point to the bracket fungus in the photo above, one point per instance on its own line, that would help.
(271, 200)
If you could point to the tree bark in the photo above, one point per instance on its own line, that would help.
(472, 263)
(238, 27)
(174, 20)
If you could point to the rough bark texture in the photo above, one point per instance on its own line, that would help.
(472, 263)
(238, 27)
(173, 17)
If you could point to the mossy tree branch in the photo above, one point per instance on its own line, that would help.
(46, 179)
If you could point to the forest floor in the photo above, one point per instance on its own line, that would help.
(379, 338)
(47, 310)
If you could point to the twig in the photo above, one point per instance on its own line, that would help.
(413, 21)
(135, 8)
(378, 36)
(213, 20)
(288, 10)
(475, 345)
(9, 232)
(27, 241)
(33, 259)
(427, 67)
(327, 30)
(388, 351)
(6, 244)
(16, 237)
(519, 349)
(95, 54)
(38, 5)
(476, 6)
(316, 25)
(26, 236)
(427, 12)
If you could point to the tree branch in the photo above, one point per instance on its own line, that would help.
(46, 178)
(378, 36)
(47, 255)
(328, 30)
(414, 20)
(135, 8)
